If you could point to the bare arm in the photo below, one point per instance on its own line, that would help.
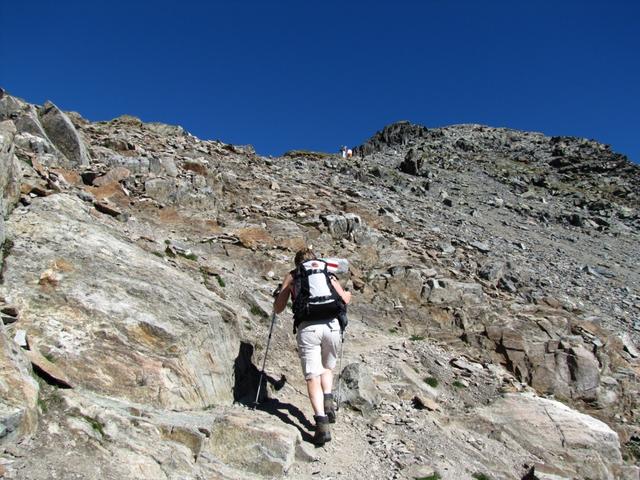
(280, 303)
(346, 296)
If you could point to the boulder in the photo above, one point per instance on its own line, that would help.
(585, 372)
(63, 135)
(114, 175)
(412, 163)
(161, 189)
(346, 226)
(358, 389)
(28, 121)
(451, 292)
(249, 442)
(556, 434)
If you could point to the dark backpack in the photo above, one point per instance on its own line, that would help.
(314, 298)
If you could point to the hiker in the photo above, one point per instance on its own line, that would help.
(317, 329)
(343, 149)
(349, 153)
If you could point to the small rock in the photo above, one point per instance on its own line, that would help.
(20, 339)
(49, 277)
(466, 365)
(483, 247)
(420, 402)
(463, 382)
(629, 346)
(51, 369)
(109, 209)
(86, 196)
(447, 248)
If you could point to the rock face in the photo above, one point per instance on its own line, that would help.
(9, 173)
(161, 354)
(494, 276)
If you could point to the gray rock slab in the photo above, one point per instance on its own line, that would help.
(114, 331)
(557, 434)
(64, 135)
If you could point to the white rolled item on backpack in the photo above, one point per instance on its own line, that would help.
(336, 265)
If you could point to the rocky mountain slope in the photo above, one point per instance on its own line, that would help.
(494, 332)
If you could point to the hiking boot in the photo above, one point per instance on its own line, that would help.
(330, 407)
(323, 432)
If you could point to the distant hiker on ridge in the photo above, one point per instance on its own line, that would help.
(318, 301)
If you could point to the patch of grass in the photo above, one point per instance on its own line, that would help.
(221, 281)
(435, 476)
(158, 254)
(257, 311)
(431, 381)
(416, 338)
(481, 476)
(632, 449)
(48, 399)
(167, 242)
(95, 424)
(190, 256)
(49, 357)
(458, 384)
(7, 246)
(393, 330)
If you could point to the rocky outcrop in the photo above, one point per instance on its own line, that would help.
(396, 134)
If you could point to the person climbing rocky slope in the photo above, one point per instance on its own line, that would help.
(494, 331)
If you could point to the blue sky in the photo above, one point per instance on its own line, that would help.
(286, 75)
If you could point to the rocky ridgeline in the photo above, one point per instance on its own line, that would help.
(494, 331)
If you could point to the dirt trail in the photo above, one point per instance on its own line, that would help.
(349, 454)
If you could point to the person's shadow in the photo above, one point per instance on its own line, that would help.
(245, 388)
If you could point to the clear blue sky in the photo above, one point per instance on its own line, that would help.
(299, 74)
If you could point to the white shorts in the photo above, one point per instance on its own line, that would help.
(318, 344)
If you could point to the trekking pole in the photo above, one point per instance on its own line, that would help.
(264, 360)
(340, 370)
